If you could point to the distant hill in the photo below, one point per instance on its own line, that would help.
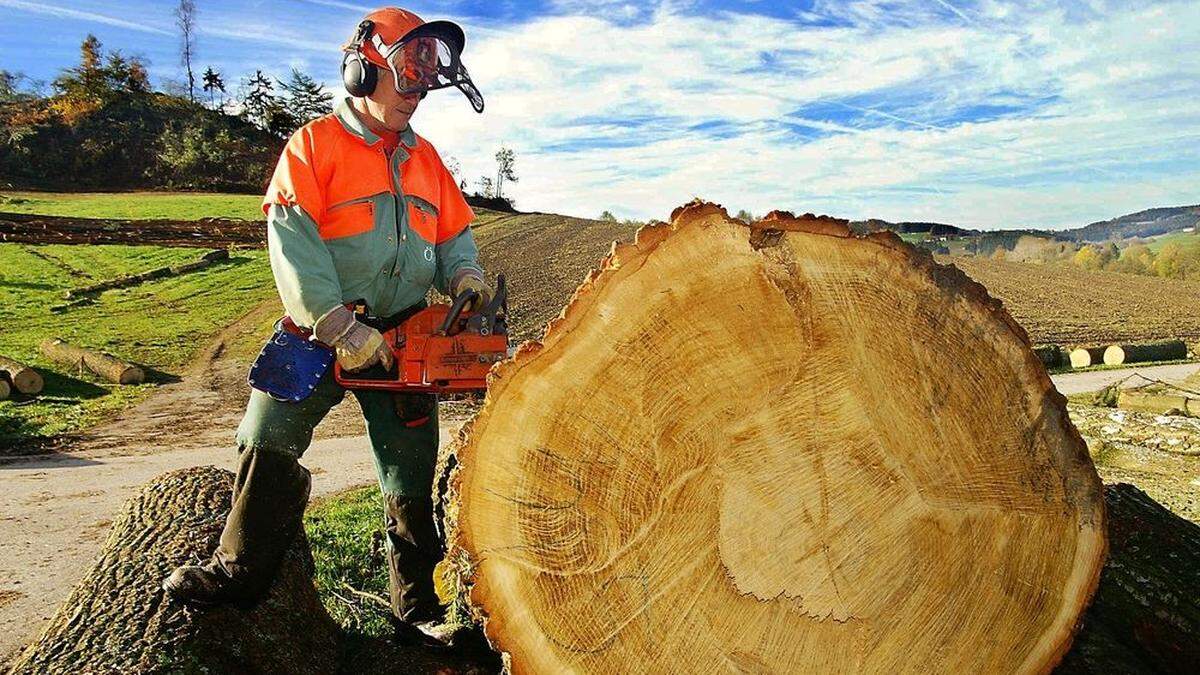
(932, 229)
(1146, 223)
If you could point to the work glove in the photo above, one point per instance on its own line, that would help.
(468, 279)
(356, 345)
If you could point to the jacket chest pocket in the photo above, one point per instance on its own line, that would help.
(422, 217)
(348, 219)
(421, 259)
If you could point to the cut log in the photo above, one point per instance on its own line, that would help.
(1082, 357)
(118, 619)
(1167, 350)
(23, 378)
(208, 259)
(1051, 356)
(5, 389)
(204, 233)
(776, 448)
(1159, 402)
(106, 366)
(1145, 617)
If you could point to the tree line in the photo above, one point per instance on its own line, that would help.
(1176, 258)
(103, 126)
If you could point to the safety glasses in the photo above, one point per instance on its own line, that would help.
(426, 63)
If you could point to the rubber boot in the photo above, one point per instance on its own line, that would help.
(269, 496)
(413, 550)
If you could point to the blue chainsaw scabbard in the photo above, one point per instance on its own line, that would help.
(289, 367)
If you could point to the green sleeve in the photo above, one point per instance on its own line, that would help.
(453, 255)
(303, 268)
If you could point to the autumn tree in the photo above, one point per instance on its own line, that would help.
(12, 86)
(1087, 258)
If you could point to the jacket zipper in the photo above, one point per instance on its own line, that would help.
(350, 202)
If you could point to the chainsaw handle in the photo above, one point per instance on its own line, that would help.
(456, 310)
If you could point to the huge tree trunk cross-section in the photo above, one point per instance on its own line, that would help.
(777, 448)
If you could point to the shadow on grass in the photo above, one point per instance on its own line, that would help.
(156, 376)
(27, 285)
(63, 388)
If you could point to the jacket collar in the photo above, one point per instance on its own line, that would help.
(355, 127)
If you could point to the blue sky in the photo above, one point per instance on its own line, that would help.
(982, 113)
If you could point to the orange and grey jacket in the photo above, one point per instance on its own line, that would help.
(346, 220)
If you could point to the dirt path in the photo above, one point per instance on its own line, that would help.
(55, 510)
(1095, 380)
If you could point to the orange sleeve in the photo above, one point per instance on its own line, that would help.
(295, 179)
(454, 214)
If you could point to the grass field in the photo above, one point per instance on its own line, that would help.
(1181, 238)
(134, 205)
(161, 324)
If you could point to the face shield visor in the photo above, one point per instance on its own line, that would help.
(424, 63)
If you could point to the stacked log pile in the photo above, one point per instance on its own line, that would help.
(206, 233)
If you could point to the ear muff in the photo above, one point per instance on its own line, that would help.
(359, 75)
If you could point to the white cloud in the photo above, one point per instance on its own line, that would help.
(69, 13)
(1098, 101)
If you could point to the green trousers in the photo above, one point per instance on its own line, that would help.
(271, 488)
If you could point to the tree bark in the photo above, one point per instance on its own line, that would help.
(1158, 402)
(1082, 357)
(104, 365)
(118, 619)
(23, 378)
(1145, 617)
(776, 448)
(1166, 350)
(1051, 356)
(208, 259)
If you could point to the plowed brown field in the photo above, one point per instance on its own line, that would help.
(1062, 304)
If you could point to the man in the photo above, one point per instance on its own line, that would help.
(359, 207)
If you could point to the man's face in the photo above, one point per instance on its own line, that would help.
(388, 108)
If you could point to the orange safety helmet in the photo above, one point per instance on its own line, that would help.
(422, 56)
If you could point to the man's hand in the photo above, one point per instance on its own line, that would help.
(357, 345)
(471, 280)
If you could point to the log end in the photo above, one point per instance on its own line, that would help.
(628, 463)
(1114, 355)
(131, 375)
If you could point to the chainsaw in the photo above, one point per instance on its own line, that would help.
(440, 348)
